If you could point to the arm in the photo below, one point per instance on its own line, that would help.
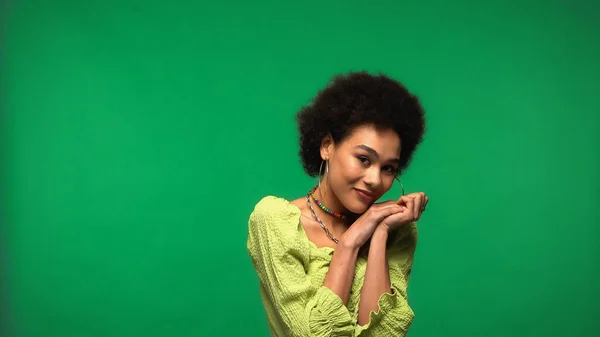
(280, 254)
(393, 315)
(341, 270)
(383, 303)
(377, 276)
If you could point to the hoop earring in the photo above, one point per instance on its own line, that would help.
(320, 173)
(402, 186)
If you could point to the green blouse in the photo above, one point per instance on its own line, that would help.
(291, 270)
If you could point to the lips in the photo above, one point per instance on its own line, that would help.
(366, 196)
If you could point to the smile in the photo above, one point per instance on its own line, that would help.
(364, 195)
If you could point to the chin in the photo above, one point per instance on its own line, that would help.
(357, 207)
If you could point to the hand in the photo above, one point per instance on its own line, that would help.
(414, 203)
(362, 229)
(420, 200)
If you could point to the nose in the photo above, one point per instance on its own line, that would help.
(373, 177)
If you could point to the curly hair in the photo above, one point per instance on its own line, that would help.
(355, 99)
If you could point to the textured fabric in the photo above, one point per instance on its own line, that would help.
(291, 270)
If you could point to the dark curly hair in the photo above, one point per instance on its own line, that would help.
(354, 99)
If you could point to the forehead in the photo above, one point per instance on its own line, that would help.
(385, 141)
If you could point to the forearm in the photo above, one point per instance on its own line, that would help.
(341, 270)
(377, 276)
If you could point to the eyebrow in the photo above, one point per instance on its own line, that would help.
(375, 154)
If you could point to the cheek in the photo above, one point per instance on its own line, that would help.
(387, 183)
(346, 173)
(351, 169)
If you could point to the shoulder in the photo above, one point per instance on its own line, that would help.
(274, 227)
(274, 213)
(274, 207)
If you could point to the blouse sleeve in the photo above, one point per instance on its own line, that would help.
(280, 256)
(394, 315)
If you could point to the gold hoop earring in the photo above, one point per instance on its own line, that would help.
(402, 186)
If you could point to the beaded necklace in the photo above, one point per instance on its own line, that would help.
(327, 210)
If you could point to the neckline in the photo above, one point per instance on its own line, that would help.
(327, 249)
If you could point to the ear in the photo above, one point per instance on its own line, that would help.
(326, 147)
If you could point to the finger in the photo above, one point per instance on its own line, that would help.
(397, 208)
(410, 205)
(418, 204)
(423, 205)
(386, 211)
(399, 217)
(402, 200)
(410, 198)
(398, 203)
(418, 195)
(425, 201)
(384, 203)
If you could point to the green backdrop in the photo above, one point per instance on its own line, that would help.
(136, 138)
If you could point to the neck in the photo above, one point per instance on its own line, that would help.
(329, 200)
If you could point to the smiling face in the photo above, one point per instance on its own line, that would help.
(362, 167)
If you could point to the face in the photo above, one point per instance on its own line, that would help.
(362, 167)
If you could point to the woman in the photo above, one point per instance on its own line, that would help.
(334, 262)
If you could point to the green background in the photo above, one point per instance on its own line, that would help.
(136, 137)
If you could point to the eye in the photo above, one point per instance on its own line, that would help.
(364, 160)
(390, 169)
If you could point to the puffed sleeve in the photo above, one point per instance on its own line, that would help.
(394, 315)
(280, 255)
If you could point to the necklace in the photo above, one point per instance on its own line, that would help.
(327, 232)
(327, 210)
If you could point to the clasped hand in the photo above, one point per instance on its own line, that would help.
(410, 209)
(386, 216)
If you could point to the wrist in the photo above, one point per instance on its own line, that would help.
(381, 232)
(348, 245)
(383, 228)
(351, 240)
